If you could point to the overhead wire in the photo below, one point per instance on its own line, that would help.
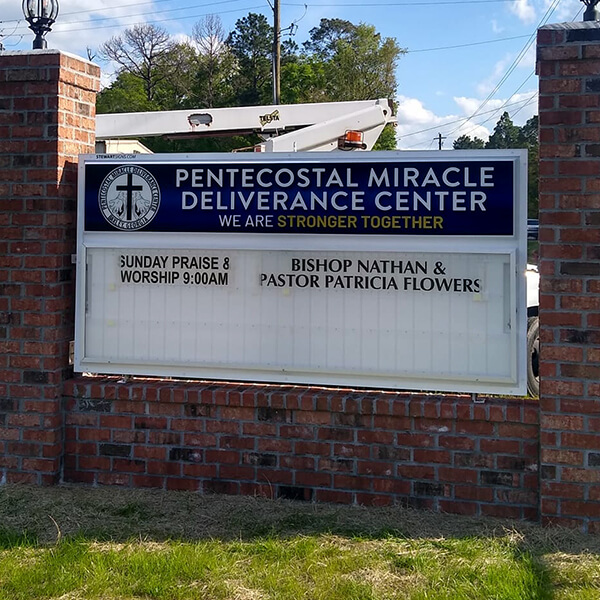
(439, 126)
(512, 67)
(494, 112)
(467, 45)
(220, 2)
(315, 4)
(60, 26)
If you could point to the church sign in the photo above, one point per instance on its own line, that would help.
(389, 270)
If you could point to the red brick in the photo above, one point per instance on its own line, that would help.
(580, 509)
(351, 482)
(562, 490)
(222, 456)
(431, 456)
(298, 463)
(391, 486)
(148, 481)
(459, 508)
(574, 475)
(313, 479)
(562, 422)
(456, 442)
(567, 457)
(447, 474)
(316, 448)
(416, 472)
(335, 497)
(499, 446)
(203, 471)
(501, 511)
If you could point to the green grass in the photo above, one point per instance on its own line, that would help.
(79, 543)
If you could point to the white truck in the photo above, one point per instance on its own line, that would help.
(533, 330)
(331, 126)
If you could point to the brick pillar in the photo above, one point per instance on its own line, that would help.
(47, 118)
(569, 113)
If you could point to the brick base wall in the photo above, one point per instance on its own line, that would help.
(47, 117)
(436, 452)
(569, 116)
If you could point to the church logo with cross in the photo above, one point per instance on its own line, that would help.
(129, 197)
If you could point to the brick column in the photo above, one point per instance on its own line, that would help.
(569, 113)
(47, 118)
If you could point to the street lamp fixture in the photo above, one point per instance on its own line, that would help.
(591, 13)
(40, 14)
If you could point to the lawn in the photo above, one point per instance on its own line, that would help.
(106, 543)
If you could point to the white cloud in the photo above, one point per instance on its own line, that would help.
(487, 85)
(76, 28)
(418, 127)
(567, 10)
(520, 106)
(523, 10)
(496, 27)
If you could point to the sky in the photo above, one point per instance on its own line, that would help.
(466, 62)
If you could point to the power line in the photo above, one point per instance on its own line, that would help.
(531, 99)
(136, 4)
(131, 16)
(438, 126)
(153, 21)
(514, 64)
(316, 4)
(516, 37)
(414, 4)
(506, 103)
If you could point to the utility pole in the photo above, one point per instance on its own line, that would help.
(276, 52)
(440, 140)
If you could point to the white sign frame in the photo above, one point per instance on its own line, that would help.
(512, 247)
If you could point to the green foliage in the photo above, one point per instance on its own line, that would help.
(215, 67)
(125, 94)
(251, 43)
(203, 144)
(357, 63)
(341, 61)
(464, 142)
(303, 80)
(506, 134)
(387, 139)
(145, 51)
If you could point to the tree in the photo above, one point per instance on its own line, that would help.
(529, 138)
(357, 64)
(251, 44)
(464, 142)
(176, 89)
(215, 63)
(125, 94)
(506, 134)
(341, 61)
(387, 140)
(323, 39)
(143, 51)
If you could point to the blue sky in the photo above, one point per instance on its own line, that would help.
(466, 63)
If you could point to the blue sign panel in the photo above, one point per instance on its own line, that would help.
(395, 197)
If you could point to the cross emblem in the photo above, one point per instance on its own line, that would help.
(129, 188)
